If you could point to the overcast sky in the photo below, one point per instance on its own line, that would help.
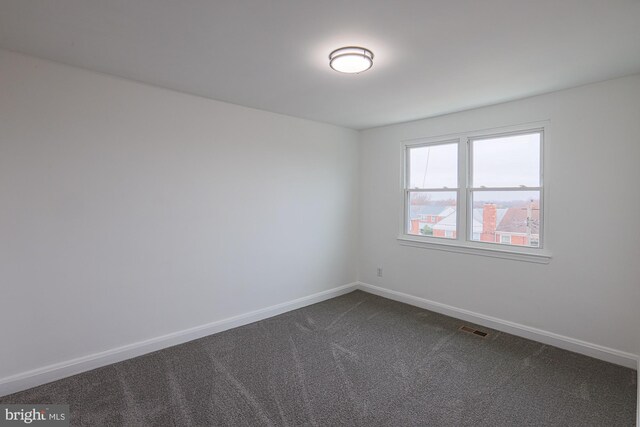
(502, 162)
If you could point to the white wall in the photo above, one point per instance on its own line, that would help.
(591, 289)
(128, 211)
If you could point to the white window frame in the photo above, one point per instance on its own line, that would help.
(464, 212)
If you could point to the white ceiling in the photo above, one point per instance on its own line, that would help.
(432, 57)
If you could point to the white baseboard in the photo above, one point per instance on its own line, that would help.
(46, 374)
(618, 357)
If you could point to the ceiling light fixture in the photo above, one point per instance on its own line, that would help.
(351, 59)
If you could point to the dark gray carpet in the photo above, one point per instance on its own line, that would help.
(354, 360)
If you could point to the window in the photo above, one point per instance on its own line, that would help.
(484, 190)
(505, 187)
(432, 174)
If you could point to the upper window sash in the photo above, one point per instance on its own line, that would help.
(533, 181)
(439, 158)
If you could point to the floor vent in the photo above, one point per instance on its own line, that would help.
(473, 331)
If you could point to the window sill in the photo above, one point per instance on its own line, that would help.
(539, 258)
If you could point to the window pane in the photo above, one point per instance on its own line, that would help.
(508, 161)
(434, 166)
(506, 217)
(433, 214)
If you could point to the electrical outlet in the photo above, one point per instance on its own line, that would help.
(379, 271)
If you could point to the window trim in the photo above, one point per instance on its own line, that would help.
(463, 243)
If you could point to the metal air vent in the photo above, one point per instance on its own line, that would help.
(473, 331)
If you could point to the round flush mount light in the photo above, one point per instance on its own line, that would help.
(351, 59)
